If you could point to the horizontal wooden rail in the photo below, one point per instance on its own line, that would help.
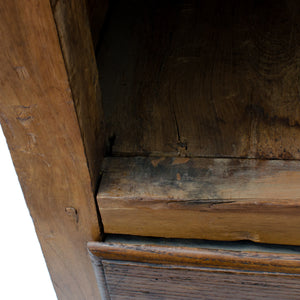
(215, 199)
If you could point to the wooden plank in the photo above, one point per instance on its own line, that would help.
(143, 281)
(149, 270)
(215, 199)
(202, 78)
(74, 31)
(243, 256)
(39, 120)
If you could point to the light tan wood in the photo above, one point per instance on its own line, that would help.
(206, 78)
(214, 199)
(38, 116)
(156, 269)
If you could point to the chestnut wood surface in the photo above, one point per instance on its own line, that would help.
(208, 78)
(152, 269)
(73, 27)
(44, 118)
(214, 199)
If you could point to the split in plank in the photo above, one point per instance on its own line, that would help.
(215, 199)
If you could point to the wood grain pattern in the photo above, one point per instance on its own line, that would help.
(215, 199)
(74, 31)
(140, 281)
(39, 120)
(180, 253)
(152, 271)
(202, 78)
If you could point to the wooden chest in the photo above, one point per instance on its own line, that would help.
(166, 135)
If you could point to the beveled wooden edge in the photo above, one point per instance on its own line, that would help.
(100, 277)
(197, 257)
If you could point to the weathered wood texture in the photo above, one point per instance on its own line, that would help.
(75, 37)
(202, 78)
(163, 272)
(215, 199)
(97, 10)
(143, 281)
(38, 117)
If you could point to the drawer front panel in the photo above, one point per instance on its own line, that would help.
(152, 269)
(127, 280)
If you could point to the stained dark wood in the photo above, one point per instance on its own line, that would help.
(215, 199)
(152, 271)
(39, 120)
(97, 10)
(202, 78)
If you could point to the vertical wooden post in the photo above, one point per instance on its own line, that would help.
(45, 122)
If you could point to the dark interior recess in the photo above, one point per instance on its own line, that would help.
(203, 244)
(201, 78)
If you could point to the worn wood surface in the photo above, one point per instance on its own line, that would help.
(152, 271)
(143, 281)
(202, 78)
(37, 113)
(215, 199)
(73, 27)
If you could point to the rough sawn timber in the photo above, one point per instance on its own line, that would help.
(215, 199)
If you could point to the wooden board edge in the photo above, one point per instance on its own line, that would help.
(202, 198)
(100, 277)
(206, 258)
(74, 31)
